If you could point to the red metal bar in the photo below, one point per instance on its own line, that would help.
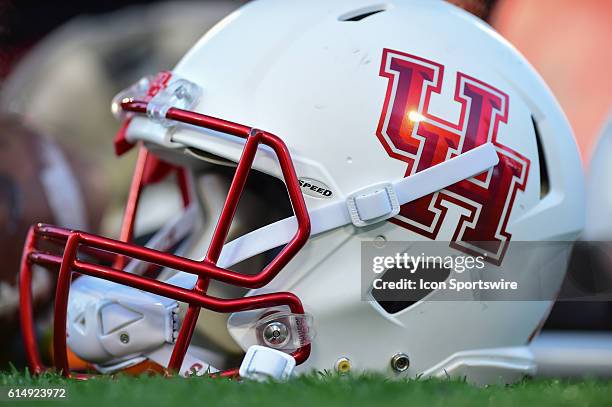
(207, 269)
(197, 299)
(233, 197)
(59, 236)
(60, 350)
(203, 269)
(129, 215)
(132, 280)
(193, 118)
(214, 250)
(26, 312)
(184, 183)
(186, 331)
(187, 295)
(155, 286)
(45, 259)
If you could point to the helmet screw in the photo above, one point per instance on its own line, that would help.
(400, 362)
(380, 241)
(275, 334)
(343, 365)
(124, 337)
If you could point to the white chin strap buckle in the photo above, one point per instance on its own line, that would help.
(262, 363)
(373, 204)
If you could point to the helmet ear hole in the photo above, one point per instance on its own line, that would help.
(264, 200)
(544, 179)
(394, 301)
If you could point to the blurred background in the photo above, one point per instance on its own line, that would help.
(61, 64)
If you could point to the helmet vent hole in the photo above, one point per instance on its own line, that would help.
(544, 180)
(362, 13)
(394, 301)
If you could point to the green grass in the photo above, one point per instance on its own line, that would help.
(313, 390)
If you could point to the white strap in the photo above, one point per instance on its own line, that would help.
(372, 204)
(447, 173)
(368, 203)
(169, 235)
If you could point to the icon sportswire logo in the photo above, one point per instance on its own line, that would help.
(411, 134)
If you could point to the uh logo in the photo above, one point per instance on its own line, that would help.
(410, 133)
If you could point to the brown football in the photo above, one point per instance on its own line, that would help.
(38, 183)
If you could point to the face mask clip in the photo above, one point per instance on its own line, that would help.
(285, 331)
(179, 93)
(162, 92)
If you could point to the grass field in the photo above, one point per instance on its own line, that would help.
(315, 390)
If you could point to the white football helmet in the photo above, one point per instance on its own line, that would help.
(405, 121)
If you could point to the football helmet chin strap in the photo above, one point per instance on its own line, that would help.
(115, 326)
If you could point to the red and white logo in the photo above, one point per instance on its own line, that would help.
(410, 133)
